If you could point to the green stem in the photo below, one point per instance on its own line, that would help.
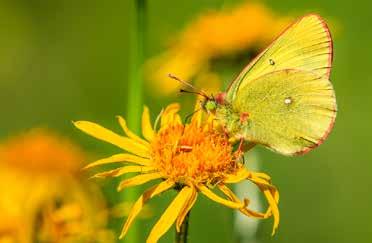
(135, 72)
(181, 237)
(135, 92)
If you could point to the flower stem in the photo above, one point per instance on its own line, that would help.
(136, 62)
(135, 92)
(181, 237)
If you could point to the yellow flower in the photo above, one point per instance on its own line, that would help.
(191, 158)
(212, 35)
(47, 200)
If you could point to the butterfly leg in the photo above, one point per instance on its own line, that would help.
(243, 148)
(239, 153)
(241, 145)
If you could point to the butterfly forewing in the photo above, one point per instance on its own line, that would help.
(305, 45)
(290, 111)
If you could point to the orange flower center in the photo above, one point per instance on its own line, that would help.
(193, 154)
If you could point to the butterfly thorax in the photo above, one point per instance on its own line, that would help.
(232, 121)
(229, 119)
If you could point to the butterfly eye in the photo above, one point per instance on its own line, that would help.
(271, 61)
(288, 101)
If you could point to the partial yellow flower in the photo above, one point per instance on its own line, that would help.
(43, 196)
(41, 151)
(212, 35)
(192, 158)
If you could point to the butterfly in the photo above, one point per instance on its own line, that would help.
(283, 99)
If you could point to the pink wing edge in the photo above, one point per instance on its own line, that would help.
(321, 140)
(330, 61)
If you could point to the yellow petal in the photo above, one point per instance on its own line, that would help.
(272, 196)
(147, 131)
(129, 133)
(198, 115)
(260, 181)
(186, 208)
(124, 170)
(106, 135)
(265, 185)
(210, 123)
(239, 176)
(119, 158)
(270, 191)
(274, 208)
(262, 175)
(138, 180)
(171, 109)
(170, 115)
(170, 215)
(228, 203)
(138, 205)
(233, 197)
(275, 194)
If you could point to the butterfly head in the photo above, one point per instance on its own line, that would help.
(210, 104)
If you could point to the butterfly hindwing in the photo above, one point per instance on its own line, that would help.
(290, 111)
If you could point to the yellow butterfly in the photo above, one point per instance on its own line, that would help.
(283, 99)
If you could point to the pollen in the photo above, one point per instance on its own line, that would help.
(192, 154)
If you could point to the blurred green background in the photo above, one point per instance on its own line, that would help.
(66, 60)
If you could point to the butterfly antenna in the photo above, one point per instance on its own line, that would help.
(193, 92)
(200, 92)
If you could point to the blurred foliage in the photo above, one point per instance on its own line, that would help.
(65, 60)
